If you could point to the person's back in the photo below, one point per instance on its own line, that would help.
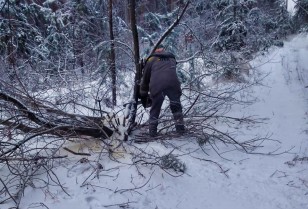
(161, 80)
(163, 72)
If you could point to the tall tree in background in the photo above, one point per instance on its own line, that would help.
(133, 22)
(112, 56)
(233, 30)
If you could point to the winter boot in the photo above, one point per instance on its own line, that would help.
(180, 129)
(179, 123)
(153, 130)
(152, 133)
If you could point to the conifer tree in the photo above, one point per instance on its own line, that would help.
(301, 13)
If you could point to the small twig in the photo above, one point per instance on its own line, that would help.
(132, 189)
(83, 183)
(76, 153)
(31, 159)
(8, 192)
(38, 205)
(3, 201)
(272, 152)
(121, 205)
(88, 184)
(192, 104)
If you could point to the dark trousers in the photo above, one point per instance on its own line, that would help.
(175, 106)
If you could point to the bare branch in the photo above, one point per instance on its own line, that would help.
(173, 25)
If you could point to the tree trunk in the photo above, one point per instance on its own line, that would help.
(138, 65)
(112, 57)
(234, 10)
(133, 21)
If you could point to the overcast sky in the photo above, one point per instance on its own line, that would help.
(291, 4)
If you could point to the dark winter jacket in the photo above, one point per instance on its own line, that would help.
(159, 74)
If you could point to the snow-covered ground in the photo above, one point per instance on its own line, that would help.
(254, 181)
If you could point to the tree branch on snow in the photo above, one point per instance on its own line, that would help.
(73, 127)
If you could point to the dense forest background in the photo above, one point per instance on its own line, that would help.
(53, 43)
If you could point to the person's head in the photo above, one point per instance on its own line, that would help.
(160, 48)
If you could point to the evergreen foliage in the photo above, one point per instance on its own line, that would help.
(170, 161)
(153, 25)
(246, 24)
(301, 13)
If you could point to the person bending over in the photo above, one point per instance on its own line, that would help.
(160, 79)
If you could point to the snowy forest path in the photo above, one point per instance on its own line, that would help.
(285, 99)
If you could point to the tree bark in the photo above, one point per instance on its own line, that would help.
(112, 56)
(138, 64)
(133, 21)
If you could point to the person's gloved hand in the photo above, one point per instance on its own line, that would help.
(143, 93)
(146, 101)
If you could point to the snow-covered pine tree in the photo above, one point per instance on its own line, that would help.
(267, 24)
(232, 16)
(153, 22)
(301, 14)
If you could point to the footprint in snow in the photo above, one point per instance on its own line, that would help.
(93, 202)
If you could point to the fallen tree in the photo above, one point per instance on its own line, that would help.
(36, 117)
